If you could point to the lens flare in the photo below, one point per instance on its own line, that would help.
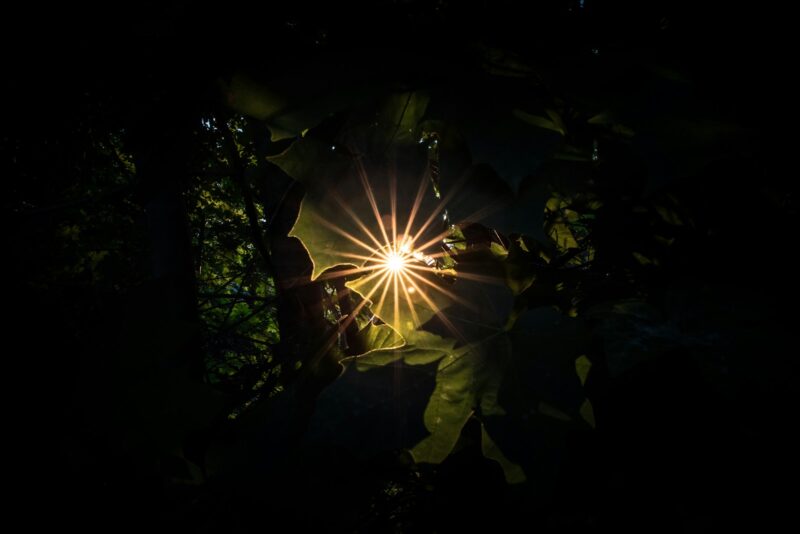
(399, 265)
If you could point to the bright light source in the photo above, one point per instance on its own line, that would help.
(395, 262)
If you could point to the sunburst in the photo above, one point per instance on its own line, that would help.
(397, 263)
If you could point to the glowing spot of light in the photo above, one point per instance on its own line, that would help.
(395, 262)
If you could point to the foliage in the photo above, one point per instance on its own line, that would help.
(195, 320)
(345, 174)
(237, 299)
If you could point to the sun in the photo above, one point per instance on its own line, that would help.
(395, 262)
(401, 266)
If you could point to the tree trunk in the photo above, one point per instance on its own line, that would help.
(160, 145)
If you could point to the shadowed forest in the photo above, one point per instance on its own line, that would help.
(399, 266)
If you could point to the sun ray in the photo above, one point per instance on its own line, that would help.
(393, 207)
(423, 186)
(343, 233)
(436, 239)
(364, 300)
(425, 225)
(437, 255)
(395, 276)
(342, 327)
(460, 274)
(414, 315)
(378, 271)
(356, 219)
(379, 306)
(425, 268)
(398, 267)
(475, 216)
(362, 174)
(442, 204)
(484, 212)
(377, 255)
(304, 280)
(330, 275)
(496, 280)
(443, 291)
(373, 290)
(435, 309)
(486, 279)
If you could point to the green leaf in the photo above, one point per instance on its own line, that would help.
(587, 412)
(582, 367)
(498, 250)
(378, 338)
(562, 236)
(421, 348)
(451, 404)
(397, 120)
(403, 306)
(337, 222)
(464, 377)
(518, 268)
(513, 473)
(328, 177)
(542, 122)
(293, 104)
(606, 119)
(557, 120)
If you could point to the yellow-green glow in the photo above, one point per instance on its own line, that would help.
(400, 273)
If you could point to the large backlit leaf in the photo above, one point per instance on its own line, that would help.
(328, 177)
(337, 222)
(468, 378)
(347, 216)
(462, 379)
(296, 102)
(405, 304)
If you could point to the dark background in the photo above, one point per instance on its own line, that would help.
(678, 447)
